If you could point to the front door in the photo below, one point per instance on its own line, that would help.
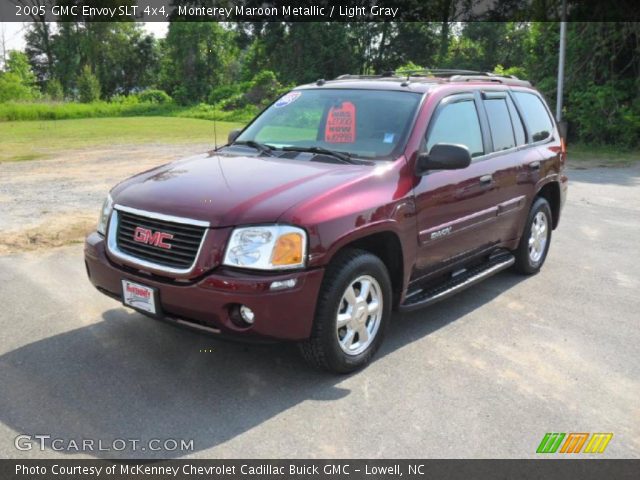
(457, 209)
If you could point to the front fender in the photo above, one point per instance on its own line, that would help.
(327, 239)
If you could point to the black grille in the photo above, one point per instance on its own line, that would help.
(184, 244)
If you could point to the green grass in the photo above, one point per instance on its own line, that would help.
(15, 111)
(29, 140)
(588, 155)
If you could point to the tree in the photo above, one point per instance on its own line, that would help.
(18, 64)
(602, 86)
(300, 52)
(17, 82)
(68, 61)
(121, 54)
(38, 37)
(410, 42)
(88, 86)
(195, 59)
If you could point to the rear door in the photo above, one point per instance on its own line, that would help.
(508, 161)
(540, 155)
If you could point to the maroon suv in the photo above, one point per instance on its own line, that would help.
(342, 201)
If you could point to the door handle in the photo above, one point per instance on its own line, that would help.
(534, 165)
(486, 179)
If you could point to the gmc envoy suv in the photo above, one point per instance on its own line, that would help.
(342, 201)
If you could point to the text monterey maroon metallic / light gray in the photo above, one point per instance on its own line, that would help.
(341, 202)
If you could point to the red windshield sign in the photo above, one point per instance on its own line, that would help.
(341, 124)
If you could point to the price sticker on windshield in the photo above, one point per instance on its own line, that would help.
(341, 124)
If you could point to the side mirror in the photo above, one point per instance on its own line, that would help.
(233, 134)
(444, 156)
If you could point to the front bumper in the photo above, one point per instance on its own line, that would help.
(207, 301)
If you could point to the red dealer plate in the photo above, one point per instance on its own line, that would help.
(139, 297)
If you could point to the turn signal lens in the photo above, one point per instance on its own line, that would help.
(288, 250)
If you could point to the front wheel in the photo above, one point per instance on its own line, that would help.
(534, 244)
(353, 310)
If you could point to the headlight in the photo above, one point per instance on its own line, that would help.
(107, 206)
(272, 247)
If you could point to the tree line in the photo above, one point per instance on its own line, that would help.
(232, 65)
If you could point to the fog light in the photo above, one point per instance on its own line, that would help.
(282, 284)
(247, 314)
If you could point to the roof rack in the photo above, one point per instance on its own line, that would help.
(490, 77)
(349, 76)
(436, 72)
(452, 75)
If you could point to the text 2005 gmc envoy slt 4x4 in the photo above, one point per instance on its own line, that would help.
(342, 201)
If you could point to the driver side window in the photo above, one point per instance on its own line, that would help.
(457, 123)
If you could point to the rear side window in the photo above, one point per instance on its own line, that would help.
(535, 116)
(457, 123)
(518, 128)
(500, 124)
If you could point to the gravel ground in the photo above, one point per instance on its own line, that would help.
(56, 201)
(484, 374)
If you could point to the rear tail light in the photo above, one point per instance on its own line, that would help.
(563, 150)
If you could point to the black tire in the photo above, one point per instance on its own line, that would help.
(525, 264)
(322, 350)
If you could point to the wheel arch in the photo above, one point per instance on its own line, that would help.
(387, 246)
(550, 191)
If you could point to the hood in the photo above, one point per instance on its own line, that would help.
(232, 190)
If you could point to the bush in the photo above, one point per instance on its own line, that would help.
(605, 114)
(233, 102)
(125, 99)
(54, 90)
(18, 64)
(154, 96)
(12, 89)
(17, 83)
(263, 89)
(204, 111)
(88, 86)
(182, 96)
(224, 92)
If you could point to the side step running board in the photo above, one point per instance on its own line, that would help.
(422, 298)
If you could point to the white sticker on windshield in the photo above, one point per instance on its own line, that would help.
(388, 137)
(287, 99)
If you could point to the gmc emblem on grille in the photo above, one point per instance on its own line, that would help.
(144, 235)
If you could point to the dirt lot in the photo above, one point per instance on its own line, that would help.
(56, 201)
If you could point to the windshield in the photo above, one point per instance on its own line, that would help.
(361, 123)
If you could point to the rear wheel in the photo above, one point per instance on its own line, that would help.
(353, 310)
(534, 244)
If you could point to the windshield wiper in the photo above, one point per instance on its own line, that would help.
(261, 147)
(343, 156)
